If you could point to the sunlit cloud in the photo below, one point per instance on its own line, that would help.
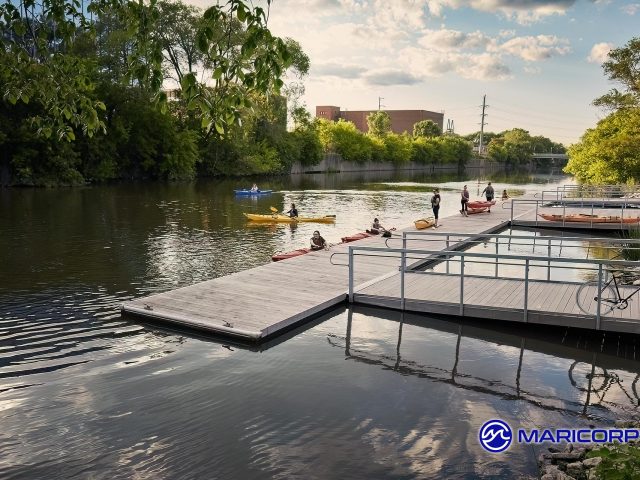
(521, 11)
(533, 49)
(391, 77)
(600, 52)
(338, 70)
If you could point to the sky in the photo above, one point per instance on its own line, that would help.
(538, 62)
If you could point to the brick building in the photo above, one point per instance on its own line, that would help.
(401, 120)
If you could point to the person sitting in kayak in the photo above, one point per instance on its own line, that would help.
(505, 195)
(317, 242)
(255, 188)
(376, 228)
(293, 212)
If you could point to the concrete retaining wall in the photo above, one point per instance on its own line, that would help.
(333, 162)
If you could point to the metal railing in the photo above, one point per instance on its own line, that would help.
(602, 267)
(461, 240)
(540, 203)
(578, 195)
(603, 191)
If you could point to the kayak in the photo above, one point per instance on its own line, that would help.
(472, 210)
(250, 192)
(295, 253)
(357, 236)
(480, 204)
(583, 218)
(424, 223)
(279, 218)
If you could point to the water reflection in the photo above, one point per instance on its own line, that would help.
(407, 402)
(603, 367)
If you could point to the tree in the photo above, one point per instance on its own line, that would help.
(426, 128)
(37, 64)
(512, 147)
(379, 123)
(344, 138)
(177, 28)
(623, 66)
(610, 152)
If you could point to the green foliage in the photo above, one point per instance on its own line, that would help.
(609, 153)
(515, 147)
(454, 150)
(619, 462)
(631, 251)
(344, 138)
(397, 148)
(379, 124)
(425, 150)
(623, 66)
(41, 44)
(426, 128)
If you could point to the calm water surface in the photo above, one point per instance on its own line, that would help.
(359, 393)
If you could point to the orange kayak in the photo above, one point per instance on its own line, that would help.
(583, 218)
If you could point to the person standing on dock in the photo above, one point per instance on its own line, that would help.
(464, 199)
(435, 205)
(489, 192)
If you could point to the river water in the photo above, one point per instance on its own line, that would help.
(364, 393)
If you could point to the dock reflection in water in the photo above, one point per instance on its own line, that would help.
(361, 393)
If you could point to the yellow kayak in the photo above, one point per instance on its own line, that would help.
(279, 218)
(424, 223)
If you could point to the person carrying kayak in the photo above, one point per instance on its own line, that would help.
(489, 192)
(317, 242)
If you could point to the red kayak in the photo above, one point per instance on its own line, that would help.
(471, 210)
(357, 236)
(295, 253)
(480, 204)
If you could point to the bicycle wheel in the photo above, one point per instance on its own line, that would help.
(580, 376)
(587, 298)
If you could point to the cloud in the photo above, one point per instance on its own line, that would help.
(631, 9)
(338, 70)
(391, 77)
(600, 52)
(453, 40)
(521, 11)
(431, 63)
(532, 70)
(533, 49)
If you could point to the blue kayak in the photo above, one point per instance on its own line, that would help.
(249, 192)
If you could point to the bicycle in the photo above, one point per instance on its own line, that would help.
(610, 296)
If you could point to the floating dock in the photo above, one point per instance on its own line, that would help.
(262, 302)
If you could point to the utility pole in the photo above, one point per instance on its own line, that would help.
(482, 123)
(380, 102)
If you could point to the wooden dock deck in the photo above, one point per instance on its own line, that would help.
(258, 303)
(549, 303)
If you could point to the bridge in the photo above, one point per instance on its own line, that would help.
(550, 156)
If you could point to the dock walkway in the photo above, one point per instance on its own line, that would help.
(260, 302)
(548, 303)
